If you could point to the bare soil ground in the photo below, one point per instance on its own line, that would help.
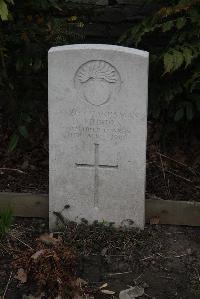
(163, 260)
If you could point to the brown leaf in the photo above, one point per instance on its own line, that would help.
(132, 292)
(154, 220)
(103, 286)
(107, 292)
(49, 239)
(80, 282)
(21, 275)
(38, 253)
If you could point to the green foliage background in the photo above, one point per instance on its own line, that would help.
(27, 30)
(172, 36)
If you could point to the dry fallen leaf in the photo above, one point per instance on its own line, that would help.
(80, 282)
(107, 292)
(49, 239)
(37, 254)
(131, 293)
(103, 286)
(21, 275)
(154, 220)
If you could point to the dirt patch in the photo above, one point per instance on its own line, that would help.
(164, 260)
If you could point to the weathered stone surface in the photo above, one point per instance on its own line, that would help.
(97, 133)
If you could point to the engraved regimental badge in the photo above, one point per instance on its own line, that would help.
(97, 81)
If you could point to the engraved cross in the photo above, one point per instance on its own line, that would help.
(96, 167)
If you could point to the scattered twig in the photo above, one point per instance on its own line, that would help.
(21, 241)
(7, 285)
(178, 162)
(169, 158)
(136, 279)
(119, 273)
(166, 277)
(147, 258)
(180, 177)
(173, 256)
(181, 255)
(164, 176)
(12, 169)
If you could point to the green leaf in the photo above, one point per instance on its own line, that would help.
(13, 142)
(5, 220)
(180, 23)
(55, 5)
(23, 131)
(167, 26)
(178, 59)
(187, 54)
(173, 60)
(3, 10)
(179, 114)
(168, 62)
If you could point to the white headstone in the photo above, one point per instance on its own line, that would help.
(97, 133)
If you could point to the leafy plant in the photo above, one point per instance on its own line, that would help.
(4, 10)
(171, 35)
(25, 39)
(5, 221)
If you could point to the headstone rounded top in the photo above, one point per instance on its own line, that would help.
(97, 81)
(102, 47)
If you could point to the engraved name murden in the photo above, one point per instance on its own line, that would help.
(97, 82)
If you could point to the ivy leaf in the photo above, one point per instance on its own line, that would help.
(179, 114)
(55, 5)
(3, 10)
(180, 23)
(13, 142)
(168, 62)
(187, 54)
(167, 26)
(178, 59)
